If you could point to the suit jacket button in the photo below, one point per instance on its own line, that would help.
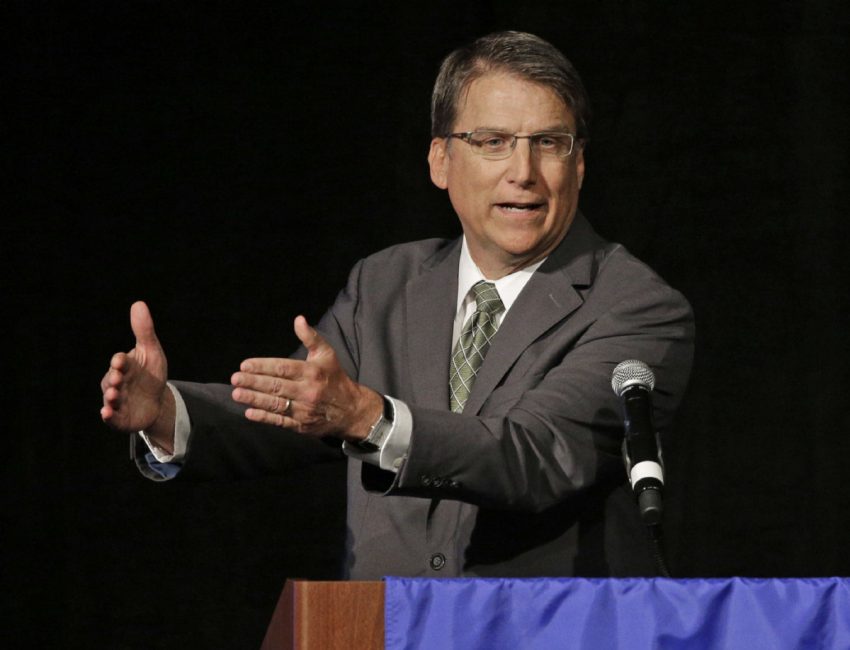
(425, 480)
(437, 561)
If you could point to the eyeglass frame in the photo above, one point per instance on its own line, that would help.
(466, 136)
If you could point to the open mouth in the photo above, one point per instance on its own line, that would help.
(520, 207)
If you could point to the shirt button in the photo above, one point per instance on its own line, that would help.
(437, 561)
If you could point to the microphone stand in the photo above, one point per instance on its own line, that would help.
(656, 539)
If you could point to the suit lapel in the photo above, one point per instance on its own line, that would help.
(431, 304)
(549, 297)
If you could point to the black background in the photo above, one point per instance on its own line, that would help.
(229, 163)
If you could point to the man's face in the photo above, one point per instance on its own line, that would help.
(515, 211)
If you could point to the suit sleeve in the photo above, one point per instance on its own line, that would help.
(223, 444)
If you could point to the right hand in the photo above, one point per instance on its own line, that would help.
(135, 396)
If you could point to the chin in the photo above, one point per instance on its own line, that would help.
(521, 254)
(521, 246)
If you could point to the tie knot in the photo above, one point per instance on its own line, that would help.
(487, 298)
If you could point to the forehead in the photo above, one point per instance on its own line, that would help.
(505, 101)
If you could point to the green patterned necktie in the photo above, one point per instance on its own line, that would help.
(473, 343)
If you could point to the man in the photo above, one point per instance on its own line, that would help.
(468, 379)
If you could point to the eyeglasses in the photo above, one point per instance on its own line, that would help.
(495, 145)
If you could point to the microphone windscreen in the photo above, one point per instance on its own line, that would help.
(632, 373)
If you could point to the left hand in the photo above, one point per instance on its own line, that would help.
(324, 399)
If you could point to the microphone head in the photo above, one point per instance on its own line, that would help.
(632, 373)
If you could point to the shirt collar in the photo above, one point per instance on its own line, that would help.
(509, 286)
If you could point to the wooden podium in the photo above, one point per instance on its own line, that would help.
(327, 616)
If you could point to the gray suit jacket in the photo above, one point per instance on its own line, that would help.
(529, 479)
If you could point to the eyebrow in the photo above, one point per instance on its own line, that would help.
(560, 128)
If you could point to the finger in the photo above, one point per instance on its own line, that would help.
(273, 367)
(310, 426)
(112, 378)
(277, 419)
(117, 370)
(265, 384)
(311, 339)
(141, 323)
(119, 361)
(112, 401)
(112, 398)
(271, 403)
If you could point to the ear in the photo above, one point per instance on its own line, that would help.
(580, 166)
(438, 161)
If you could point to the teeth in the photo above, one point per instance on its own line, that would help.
(519, 208)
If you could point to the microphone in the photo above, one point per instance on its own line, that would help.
(633, 382)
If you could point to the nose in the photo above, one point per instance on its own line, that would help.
(522, 164)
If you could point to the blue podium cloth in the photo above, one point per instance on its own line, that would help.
(597, 614)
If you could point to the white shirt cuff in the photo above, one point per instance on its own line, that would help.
(394, 449)
(182, 428)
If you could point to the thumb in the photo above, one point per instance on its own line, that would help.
(142, 324)
(311, 339)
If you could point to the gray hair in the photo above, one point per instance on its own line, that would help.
(525, 55)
